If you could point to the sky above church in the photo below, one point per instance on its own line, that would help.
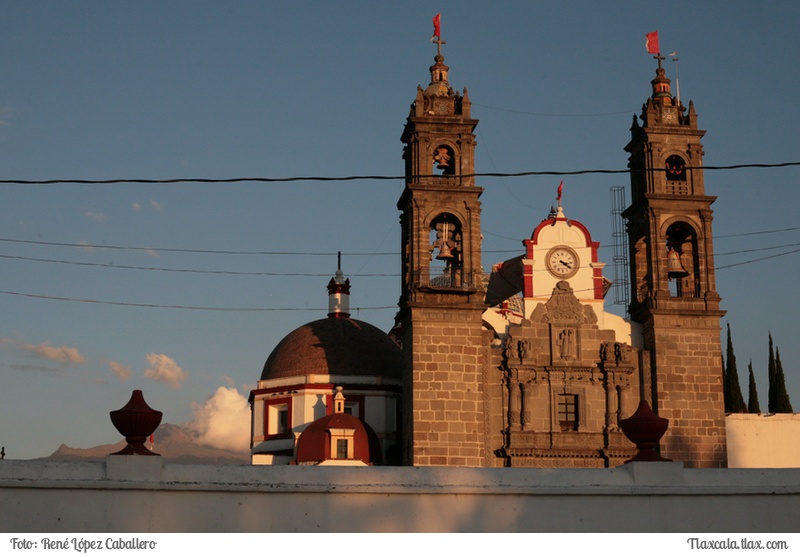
(183, 289)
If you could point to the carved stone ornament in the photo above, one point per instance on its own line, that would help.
(563, 306)
(567, 343)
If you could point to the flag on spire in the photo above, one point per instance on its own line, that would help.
(560, 189)
(437, 22)
(651, 43)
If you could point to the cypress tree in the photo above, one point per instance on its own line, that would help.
(752, 392)
(734, 401)
(782, 403)
(771, 396)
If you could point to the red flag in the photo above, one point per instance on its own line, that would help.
(437, 22)
(651, 43)
(560, 189)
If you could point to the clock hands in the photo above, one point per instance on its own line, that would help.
(567, 265)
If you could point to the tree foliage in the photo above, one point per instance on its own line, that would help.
(753, 407)
(771, 394)
(778, 397)
(734, 401)
(782, 403)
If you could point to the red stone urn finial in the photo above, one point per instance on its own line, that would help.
(644, 428)
(136, 421)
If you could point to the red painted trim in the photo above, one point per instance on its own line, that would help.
(533, 242)
(549, 222)
(598, 283)
(527, 280)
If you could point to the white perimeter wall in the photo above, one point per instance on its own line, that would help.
(145, 494)
(763, 440)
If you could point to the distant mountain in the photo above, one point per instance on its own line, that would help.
(172, 442)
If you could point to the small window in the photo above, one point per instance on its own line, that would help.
(283, 420)
(341, 449)
(568, 412)
(278, 420)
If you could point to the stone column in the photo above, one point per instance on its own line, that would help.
(527, 406)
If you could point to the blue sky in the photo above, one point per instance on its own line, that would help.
(167, 90)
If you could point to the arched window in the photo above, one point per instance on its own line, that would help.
(447, 261)
(682, 260)
(444, 158)
(675, 168)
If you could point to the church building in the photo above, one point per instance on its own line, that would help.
(520, 364)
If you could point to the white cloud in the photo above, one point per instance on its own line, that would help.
(223, 421)
(155, 204)
(136, 205)
(163, 368)
(96, 217)
(63, 354)
(121, 371)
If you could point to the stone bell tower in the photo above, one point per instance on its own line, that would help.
(442, 295)
(674, 293)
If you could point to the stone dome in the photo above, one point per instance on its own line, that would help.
(335, 346)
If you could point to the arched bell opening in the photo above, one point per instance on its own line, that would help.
(444, 161)
(675, 168)
(682, 261)
(446, 246)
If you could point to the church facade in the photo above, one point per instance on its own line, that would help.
(527, 368)
(522, 366)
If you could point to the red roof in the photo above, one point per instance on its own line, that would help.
(314, 444)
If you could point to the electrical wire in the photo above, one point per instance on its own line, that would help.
(377, 176)
(368, 308)
(167, 306)
(551, 114)
(290, 274)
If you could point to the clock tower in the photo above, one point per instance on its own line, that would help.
(442, 294)
(674, 295)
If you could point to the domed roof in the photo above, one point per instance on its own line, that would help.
(314, 444)
(335, 346)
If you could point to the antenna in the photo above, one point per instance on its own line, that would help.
(677, 81)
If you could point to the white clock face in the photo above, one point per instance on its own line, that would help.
(562, 262)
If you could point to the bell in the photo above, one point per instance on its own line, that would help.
(445, 253)
(674, 268)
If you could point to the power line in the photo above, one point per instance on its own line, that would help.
(295, 274)
(256, 309)
(737, 252)
(83, 245)
(197, 271)
(377, 176)
(554, 115)
(219, 252)
(166, 306)
(187, 250)
(759, 259)
(758, 232)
